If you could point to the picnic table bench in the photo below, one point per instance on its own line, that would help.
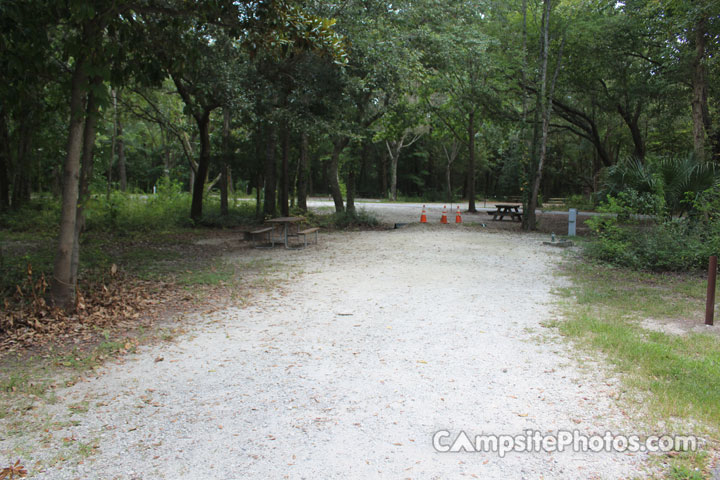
(281, 230)
(266, 232)
(308, 231)
(511, 210)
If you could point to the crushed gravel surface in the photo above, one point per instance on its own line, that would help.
(374, 342)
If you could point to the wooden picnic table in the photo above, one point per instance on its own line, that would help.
(511, 210)
(287, 224)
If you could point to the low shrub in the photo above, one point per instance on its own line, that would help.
(125, 213)
(631, 235)
(41, 215)
(581, 202)
(358, 219)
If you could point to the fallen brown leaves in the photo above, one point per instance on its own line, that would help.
(13, 471)
(114, 302)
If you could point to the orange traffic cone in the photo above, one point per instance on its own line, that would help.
(443, 219)
(458, 218)
(423, 216)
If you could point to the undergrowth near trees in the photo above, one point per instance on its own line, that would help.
(650, 229)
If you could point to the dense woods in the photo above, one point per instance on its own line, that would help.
(284, 99)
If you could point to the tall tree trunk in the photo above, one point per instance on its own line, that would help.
(167, 159)
(448, 184)
(546, 104)
(225, 161)
(700, 113)
(122, 170)
(394, 148)
(302, 173)
(285, 181)
(333, 176)
(62, 288)
(122, 165)
(450, 157)
(524, 64)
(113, 150)
(113, 143)
(471, 163)
(394, 152)
(203, 123)
(86, 167)
(269, 205)
(188, 151)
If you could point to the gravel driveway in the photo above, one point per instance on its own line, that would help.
(377, 341)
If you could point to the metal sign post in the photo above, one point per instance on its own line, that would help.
(710, 304)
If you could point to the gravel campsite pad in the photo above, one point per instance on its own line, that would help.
(374, 342)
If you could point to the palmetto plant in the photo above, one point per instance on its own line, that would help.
(630, 174)
(677, 180)
(684, 178)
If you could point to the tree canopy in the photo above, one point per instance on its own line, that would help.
(416, 98)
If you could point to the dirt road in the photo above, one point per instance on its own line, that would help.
(377, 341)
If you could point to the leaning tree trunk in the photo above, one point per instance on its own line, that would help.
(333, 177)
(62, 288)
(203, 123)
(471, 163)
(632, 120)
(303, 173)
(270, 174)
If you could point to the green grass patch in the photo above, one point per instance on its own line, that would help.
(217, 273)
(676, 375)
(139, 233)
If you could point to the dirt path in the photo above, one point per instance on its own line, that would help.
(380, 340)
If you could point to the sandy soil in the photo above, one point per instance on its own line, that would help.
(373, 343)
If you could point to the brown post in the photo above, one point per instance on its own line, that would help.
(710, 305)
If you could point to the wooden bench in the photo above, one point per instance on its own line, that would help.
(306, 232)
(256, 234)
(499, 213)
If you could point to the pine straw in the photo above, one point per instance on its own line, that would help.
(108, 304)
